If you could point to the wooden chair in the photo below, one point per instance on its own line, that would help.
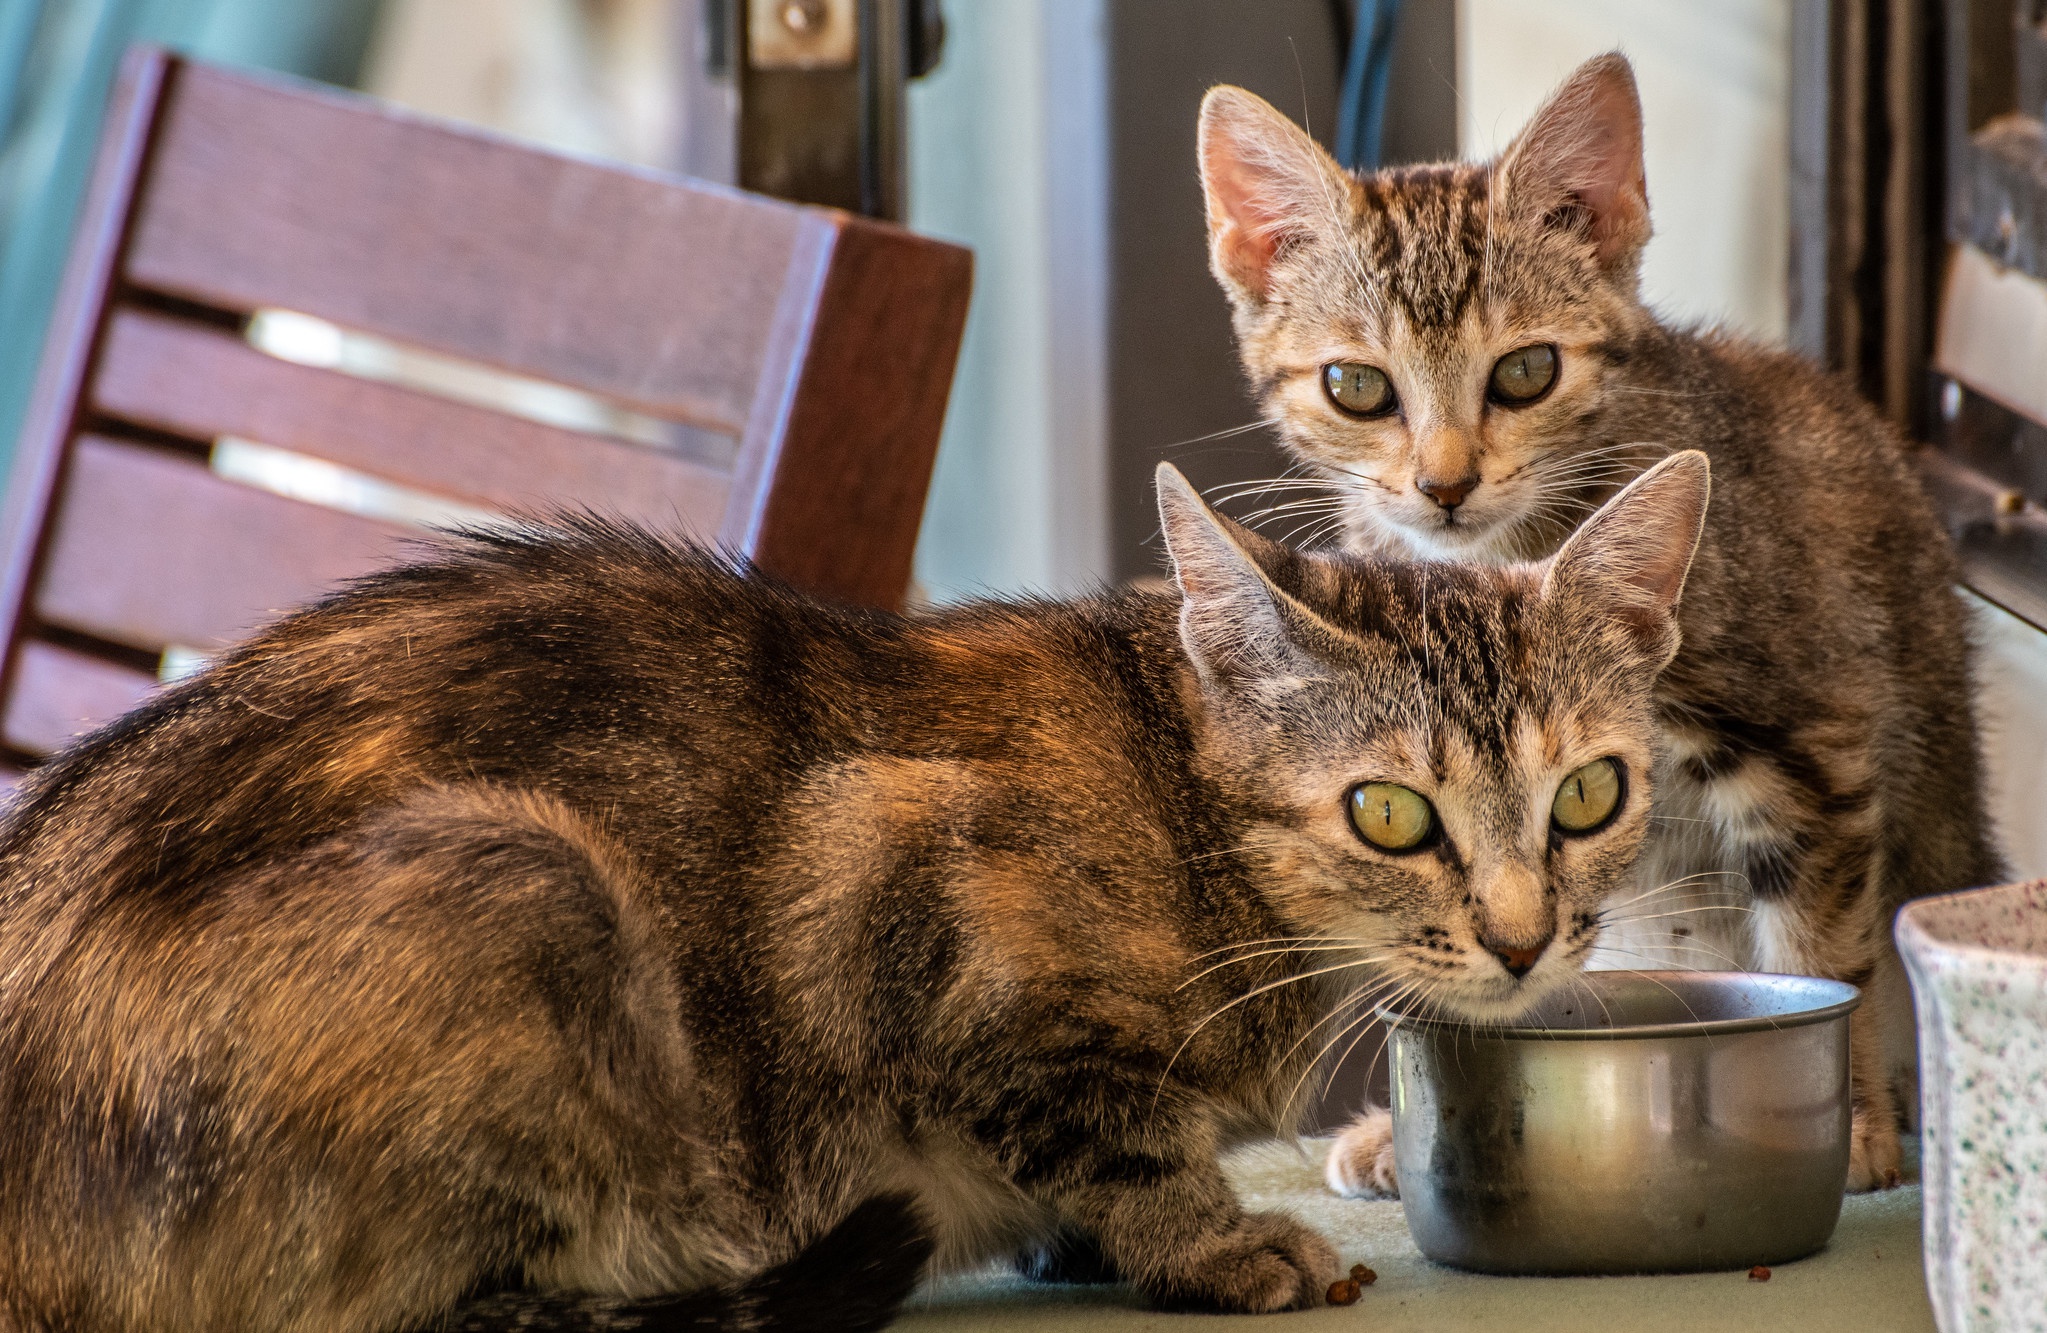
(806, 353)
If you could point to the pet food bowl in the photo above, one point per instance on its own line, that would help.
(1640, 1122)
(1978, 963)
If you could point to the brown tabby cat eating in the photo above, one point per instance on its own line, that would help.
(567, 932)
(1460, 354)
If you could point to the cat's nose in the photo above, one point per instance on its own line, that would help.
(1448, 494)
(1516, 961)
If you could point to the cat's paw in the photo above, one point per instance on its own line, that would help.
(1266, 1262)
(1874, 1156)
(1360, 1162)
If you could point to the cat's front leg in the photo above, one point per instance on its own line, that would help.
(1875, 1154)
(1360, 1163)
(1188, 1243)
(1806, 921)
(1151, 1193)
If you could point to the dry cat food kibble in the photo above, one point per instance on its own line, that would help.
(1759, 1274)
(1345, 1291)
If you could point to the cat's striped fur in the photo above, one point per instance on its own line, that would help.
(566, 930)
(1818, 758)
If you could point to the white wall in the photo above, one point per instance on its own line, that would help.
(1715, 83)
(2013, 703)
(1008, 154)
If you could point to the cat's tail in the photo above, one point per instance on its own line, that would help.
(852, 1279)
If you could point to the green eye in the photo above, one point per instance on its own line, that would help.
(1588, 797)
(1359, 389)
(1524, 374)
(1390, 817)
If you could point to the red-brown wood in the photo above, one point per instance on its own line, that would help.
(849, 454)
(68, 345)
(821, 345)
(187, 379)
(151, 550)
(636, 287)
(61, 694)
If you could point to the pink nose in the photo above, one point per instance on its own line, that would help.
(1517, 961)
(1448, 494)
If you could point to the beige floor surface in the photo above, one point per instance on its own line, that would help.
(1867, 1280)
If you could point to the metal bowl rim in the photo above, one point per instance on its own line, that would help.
(1712, 1027)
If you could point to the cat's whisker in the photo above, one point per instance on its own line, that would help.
(1563, 498)
(1687, 943)
(1569, 494)
(1678, 883)
(1265, 953)
(1569, 482)
(1729, 963)
(1279, 939)
(1317, 505)
(1692, 904)
(1316, 534)
(1424, 989)
(1222, 434)
(1681, 911)
(1314, 1062)
(1257, 991)
(1402, 992)
(1246, 997)
(1292, 479)
(1210, 856)
(1688, 889)
(1586, 466)
(1357, 996)
(1606, 1010)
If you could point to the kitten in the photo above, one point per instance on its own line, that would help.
(1461, 355)
(568, 932)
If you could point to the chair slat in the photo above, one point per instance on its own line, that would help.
(41, 447)
(151, 550)
(461, 242)
(185, 378)
(60, 694)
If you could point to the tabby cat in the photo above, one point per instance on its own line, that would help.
(571, 932)
(1460, 355)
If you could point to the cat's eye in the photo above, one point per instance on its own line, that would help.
(1359, 389)
(1390, 817)
(1523, 375)
(1587, 798)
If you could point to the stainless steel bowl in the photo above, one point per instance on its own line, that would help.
(1643, 1122)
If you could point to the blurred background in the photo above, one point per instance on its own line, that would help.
(1803, 161)
(1055, 137)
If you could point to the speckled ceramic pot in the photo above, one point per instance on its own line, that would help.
(1978, 962)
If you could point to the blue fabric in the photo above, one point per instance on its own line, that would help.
(1361, 104)
(57, 63)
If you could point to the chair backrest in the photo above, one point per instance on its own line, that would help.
(796, 361)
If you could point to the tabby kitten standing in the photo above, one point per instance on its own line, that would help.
(569, 933)
(1461, 355)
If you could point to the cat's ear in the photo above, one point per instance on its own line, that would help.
(1630, 559)
(1578, 163)
(1235, 623)
(1267, 183)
